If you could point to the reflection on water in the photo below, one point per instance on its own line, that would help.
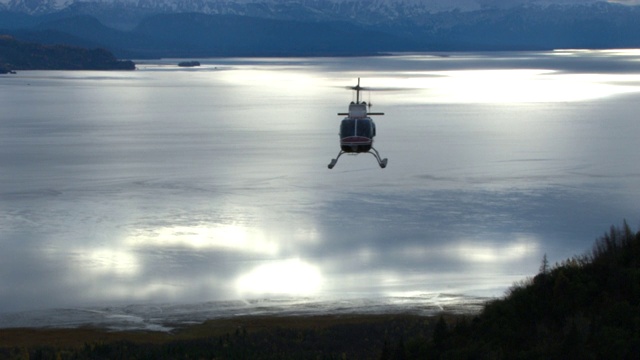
(516, 86)
(170, 185)
(234, 237)
(285, 277)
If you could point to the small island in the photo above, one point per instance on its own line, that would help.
(4, 70)
(18, 55)
(189, 63)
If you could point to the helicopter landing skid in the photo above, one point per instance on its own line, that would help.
(373, 151)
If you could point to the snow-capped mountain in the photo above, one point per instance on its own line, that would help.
(125, 14)
(188, 28)
(33, 7)
(246, 7)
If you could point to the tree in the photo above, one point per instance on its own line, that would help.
(544, 266)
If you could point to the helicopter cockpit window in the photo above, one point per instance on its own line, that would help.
(364, 128)
(348, 128)
(357, 127)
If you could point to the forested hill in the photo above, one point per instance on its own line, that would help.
(17, 55)
(588, 307)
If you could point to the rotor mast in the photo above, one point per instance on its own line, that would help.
(357, 88)
(359, 109)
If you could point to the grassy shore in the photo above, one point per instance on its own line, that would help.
(325, 336)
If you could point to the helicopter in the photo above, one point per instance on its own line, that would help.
(357, 130)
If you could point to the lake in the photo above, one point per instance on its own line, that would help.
(171, 185)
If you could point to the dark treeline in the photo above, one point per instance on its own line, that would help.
(587, 307)
(18, 55)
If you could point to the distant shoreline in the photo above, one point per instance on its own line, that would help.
(17, 55)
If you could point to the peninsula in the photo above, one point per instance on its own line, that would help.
(18, 55)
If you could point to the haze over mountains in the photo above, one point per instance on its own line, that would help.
(200, 28)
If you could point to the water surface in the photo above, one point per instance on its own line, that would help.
(171, 185)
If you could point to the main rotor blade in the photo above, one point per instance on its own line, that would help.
(376, 89)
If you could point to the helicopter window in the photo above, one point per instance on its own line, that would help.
(357, 127)
(364, 128)
(348, 128)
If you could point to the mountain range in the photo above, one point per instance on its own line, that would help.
(204, 28)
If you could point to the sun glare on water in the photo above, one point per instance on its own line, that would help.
(288, 277)
(508, 86)
(231, 237)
